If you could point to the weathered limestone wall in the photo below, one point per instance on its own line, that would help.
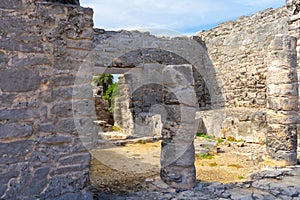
(180, 102)
(122, 114)
(283, 98)
(42, 46)
(239, 52)
(294, 30)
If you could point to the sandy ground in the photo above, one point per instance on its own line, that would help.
(125, 169)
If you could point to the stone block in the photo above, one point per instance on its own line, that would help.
(70, 168)
(13, 4)
(76, 158)
(62, 109)
(283, 104)
(6, 100)
(282, 117)
(83, 91)
(67, 80)
(22, 80)
(283, 90)
(283, 42)
(47, 128)
(80, 44)
(15, 131)
(66, 126)
(280, 59)
(84, 108)
(71, 182)
(62, 94)
(148, 125)
(277, 75)
(55, 140)
(38, 182)
(177, 76)
(17, 114)
(179, 177)
(13, 152)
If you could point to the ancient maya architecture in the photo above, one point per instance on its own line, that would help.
(247, 69)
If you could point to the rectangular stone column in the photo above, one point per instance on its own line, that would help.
(177, 153)
(282, 99)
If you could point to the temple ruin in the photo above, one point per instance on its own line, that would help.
(238, 79)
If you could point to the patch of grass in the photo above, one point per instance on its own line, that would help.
(116, 128)
(204, 156)
(214, 164)
(136, 155)
(235, 165)
(204, 146)
(232, 139)
(240, 177)
(203, 135)
(142, 142)
(220, 140)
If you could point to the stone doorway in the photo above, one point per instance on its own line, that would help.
(191, 77)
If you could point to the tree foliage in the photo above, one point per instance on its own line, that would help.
(104, 80)
(110, 94)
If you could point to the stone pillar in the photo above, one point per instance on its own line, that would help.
(178, 153)
(282, 98)
(293, 8)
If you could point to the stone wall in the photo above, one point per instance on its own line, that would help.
(294, 30)
(239, 52)
(42, 46)
(135, 101)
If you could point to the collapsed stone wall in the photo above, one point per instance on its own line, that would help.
(42, 46)
(239, 52)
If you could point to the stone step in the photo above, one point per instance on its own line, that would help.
(112, 136)
(204, 147)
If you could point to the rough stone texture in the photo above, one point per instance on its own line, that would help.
(239, 53)
(294, 27)
(178, 153)
(41, 154)
(122, 113)
(270, 183)
(136, 82)
(47, 108)
(282, 119)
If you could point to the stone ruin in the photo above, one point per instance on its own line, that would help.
(239, 79)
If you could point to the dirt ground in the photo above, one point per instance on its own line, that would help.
(124, 169)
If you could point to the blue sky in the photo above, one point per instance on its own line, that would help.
(183, 16)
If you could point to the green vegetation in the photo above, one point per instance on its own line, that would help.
(116, 128)
(203, 135)
(104, 80)
(110, 89)
(240, 177)
(220, 140)
(232, 139)
(204, 156)
(110, 94)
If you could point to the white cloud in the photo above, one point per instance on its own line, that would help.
(182, 16)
